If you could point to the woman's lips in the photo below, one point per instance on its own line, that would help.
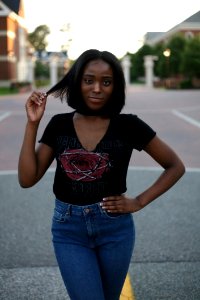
(95, 99)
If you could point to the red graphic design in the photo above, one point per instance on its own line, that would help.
(81, 165)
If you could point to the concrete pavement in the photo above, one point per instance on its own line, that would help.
(166, 260)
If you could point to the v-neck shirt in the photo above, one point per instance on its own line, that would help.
(85, 177)
(83, 139)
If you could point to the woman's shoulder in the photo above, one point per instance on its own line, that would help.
(132, 121)
(62, 117)
(127, 117)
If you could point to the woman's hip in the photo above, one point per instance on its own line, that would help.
(72, 222)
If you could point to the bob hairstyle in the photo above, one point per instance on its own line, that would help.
(69, 87)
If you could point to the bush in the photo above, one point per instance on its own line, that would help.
(41, 82)
(186, 84)
(21, 86)
(17, 85)
(5, 90)
(41, 70)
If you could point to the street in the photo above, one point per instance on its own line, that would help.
(166, 260)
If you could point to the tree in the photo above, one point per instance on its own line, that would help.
(169, 57)
(176, 45)
(37, 38)
(41, 70)
(191, 58)
(137, 62)
(161, 65)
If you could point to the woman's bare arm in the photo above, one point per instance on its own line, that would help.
(33, 163)
(173, 171)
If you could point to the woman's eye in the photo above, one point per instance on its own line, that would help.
(106, 82)
(88, 81)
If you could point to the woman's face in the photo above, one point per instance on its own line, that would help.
(97, 84)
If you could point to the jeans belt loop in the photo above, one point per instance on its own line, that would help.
(69, 210)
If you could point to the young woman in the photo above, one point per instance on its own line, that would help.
(92, 228)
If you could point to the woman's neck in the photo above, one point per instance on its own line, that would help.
(89, 118)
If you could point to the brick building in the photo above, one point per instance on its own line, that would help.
(188, 28)
(13, 43)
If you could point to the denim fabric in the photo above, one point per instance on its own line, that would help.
(93, 250)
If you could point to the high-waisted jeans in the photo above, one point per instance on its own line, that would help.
(93, 250)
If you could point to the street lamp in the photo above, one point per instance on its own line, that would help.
(167, 53)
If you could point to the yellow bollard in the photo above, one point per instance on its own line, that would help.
(127, 291)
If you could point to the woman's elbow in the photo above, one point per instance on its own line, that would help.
(25, 182)
(25, 185)
(181, 168)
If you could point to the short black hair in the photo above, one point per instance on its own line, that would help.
(69, 87)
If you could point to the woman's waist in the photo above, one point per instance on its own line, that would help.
(75, 209)
(79, 201)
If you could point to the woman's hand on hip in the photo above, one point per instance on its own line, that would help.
(121, 204)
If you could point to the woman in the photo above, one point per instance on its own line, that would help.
(92, 228)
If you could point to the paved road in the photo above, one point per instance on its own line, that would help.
(175, 115)
(166, 261)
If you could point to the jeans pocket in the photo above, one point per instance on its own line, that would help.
(60, 216)
(110, 215)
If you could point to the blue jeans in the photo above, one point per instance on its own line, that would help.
(93, 250)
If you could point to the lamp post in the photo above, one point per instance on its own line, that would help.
(167, 53)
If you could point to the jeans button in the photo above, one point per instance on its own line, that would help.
(87, 210)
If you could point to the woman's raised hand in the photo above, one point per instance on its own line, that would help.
(35, 106)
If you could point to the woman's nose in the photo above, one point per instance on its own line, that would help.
(97, 87)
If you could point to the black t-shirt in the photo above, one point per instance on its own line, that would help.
(85, 177)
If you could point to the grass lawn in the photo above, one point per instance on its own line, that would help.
(7, 91)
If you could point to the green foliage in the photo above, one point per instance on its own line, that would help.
(183, 61)
(169, 66)
(19, 84)
(7, 91)
(42, 82)
(41, 70)
(161, 68)
(176, 45)
(137, 62)
(38, 38)
(191, 58)
(16, 87)
(186, 84)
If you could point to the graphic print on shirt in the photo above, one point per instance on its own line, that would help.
(81, 165)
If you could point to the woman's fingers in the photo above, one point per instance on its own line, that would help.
(115, 204)
(120, 204)
(37, 98)
(35, 105)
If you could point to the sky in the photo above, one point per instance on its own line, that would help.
(117, 26)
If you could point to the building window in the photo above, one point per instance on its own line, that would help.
(189, 35)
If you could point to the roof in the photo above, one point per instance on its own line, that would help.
(151, 35)
(193, 19)
(14, 5)
(191, 23)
